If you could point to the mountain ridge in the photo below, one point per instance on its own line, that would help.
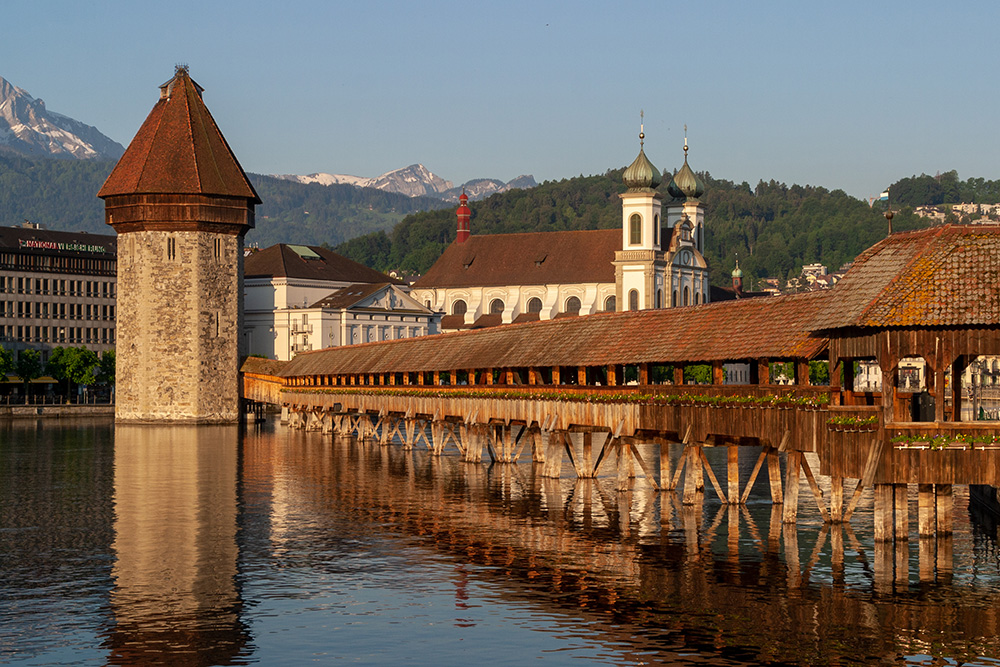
(28, 128)
(416, 180)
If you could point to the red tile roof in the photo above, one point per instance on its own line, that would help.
(941, 276)
(775, 328)
(283, 261)
(533, 258)
(179, 150)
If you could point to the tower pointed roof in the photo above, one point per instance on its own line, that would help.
(641, 174)
(179, 150)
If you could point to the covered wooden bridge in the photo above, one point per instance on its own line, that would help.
(586, 387)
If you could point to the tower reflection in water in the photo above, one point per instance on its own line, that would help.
(175, 598)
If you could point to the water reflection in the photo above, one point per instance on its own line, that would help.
(175, 598)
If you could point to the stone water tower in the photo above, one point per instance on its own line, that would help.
(181, 205)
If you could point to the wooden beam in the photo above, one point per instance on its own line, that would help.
(817, 492)
(871, 466)
(642, 464)
(711, 474)
(753, 475)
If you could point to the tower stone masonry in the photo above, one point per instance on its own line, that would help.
(181, 205)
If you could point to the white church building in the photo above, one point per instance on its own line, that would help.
(655, 260)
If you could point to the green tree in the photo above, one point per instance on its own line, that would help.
(28, 367)
(698, 374)
(106, 368)
(6, 361)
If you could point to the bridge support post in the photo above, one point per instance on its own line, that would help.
(624, 464)
(901, 512)
(537, 445)
(836, 499)
(793, 462)
(327, 423)
(666, 474)
(883, 513)
(733, 474)
(945, 504)
(552, 467)
(473, 437)
(694, 480)
(409, 431)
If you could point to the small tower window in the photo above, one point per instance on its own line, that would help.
(496, 307)
(218, 248)
(171, 248)
(573, 305)
(635, 229)
(656, 230)
(534, 305)
(633, 300)
(459, 308)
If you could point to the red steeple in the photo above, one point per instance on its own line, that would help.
(464, 213)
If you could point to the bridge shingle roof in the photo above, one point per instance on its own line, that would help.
(941, 276)
(775, 328)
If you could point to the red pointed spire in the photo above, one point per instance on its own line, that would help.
(464, 213)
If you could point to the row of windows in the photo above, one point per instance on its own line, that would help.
(29, 334)
(56, 311)
(58, 287)
(534, 305)
(371, 333)
(572, 305)
(57, 264)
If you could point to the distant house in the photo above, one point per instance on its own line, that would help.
(300, 298)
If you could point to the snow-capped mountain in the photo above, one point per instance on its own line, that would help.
(416, 181)
(28, 128)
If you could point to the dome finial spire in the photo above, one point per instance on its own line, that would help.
(642, 134)
(685, 142)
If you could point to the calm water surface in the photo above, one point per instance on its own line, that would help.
(201, 546)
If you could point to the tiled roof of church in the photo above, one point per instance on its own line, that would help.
(179, 150)
(311, 263)
(533, 258)
(941, 276)
(775, 328)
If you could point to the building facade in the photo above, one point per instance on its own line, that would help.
(57, 289)
(655, 260)
(181, 205)
(301, 298)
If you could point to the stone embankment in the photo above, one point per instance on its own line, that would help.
(35, 411)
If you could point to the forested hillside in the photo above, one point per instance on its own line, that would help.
(62, 195)
(773, 228)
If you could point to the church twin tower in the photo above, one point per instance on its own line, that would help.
(181, 205)
(655, 272)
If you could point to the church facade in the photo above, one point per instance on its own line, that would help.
(655, 260)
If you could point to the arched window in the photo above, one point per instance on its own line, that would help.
(673, 301)
(534, 305)
(659, 298)
(459, 308)
(572, 305)
(633, 299)
(687, 295)
(697, 298)
(610, 304)
(496, 306)
(427, 303)
(635, 229)
(656, 230)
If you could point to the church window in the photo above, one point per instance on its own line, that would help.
(496, 306)
(673, 301)
(687, 296)
(697, 298)
(635, 229)
(534, 305)
(659, 298)
(633, 299)
(610, 304)
(573, 305)
(656, 230)
(171, 248)
(459, 308)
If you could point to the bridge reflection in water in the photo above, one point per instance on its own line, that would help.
(644, 572)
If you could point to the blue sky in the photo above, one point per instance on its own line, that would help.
(847, 95)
